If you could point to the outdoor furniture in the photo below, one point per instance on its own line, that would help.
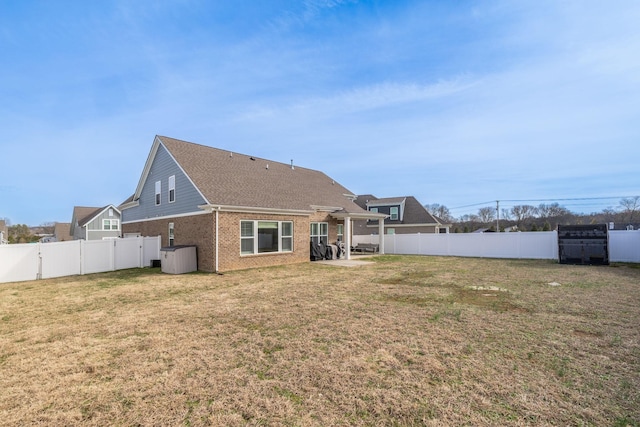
(366, 247)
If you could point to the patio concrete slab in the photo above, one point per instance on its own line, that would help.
(344, 262)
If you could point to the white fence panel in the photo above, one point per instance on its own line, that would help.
(538, 244)
(434, 244)
(60, 259)
(403, 244)
(127, 253)
(624, 246)
(150, 250)
(34, 261)
(97, 256)
(499, 245)
(465, 244)
(18, 262)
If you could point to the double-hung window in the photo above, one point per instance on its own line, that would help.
(110, 224)
(171, 234)
(158, 192)
(393, 212)
(258, 237)
(172, 188)
(319, 232)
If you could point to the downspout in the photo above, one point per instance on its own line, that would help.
(217, 228)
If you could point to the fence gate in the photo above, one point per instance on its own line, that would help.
(583, 244)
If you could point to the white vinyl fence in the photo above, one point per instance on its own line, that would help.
(624, 246)
(32, 261)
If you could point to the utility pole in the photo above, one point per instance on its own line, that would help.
(497, 216)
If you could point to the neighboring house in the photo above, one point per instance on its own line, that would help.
(240, 211)
(62, 232)
(483, 230)
(90, 223)
(405, 215)
(624, 226)
(4, 232)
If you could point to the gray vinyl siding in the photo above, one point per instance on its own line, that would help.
(96, 224)
(187, 196)
(79, 233)
(99, 234)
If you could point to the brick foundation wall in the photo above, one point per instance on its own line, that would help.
(190, 230)
(200, 230)
(229, 242)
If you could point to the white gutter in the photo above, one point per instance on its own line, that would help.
(251, 209)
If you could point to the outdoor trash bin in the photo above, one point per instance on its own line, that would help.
(178, 259)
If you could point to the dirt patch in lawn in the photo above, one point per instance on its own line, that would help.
(404, 341)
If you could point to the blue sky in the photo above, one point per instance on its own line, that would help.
(457, 103)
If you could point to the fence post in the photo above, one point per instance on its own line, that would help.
(140, 254)
(81, 248)
(39, 274)
(113, 255)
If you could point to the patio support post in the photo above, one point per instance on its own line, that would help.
(347, 233)
(381, 236)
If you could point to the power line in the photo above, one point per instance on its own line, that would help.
(491, 202)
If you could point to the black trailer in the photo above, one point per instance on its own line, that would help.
(583, 244)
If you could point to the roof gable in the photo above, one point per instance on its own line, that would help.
(231, 179)
(82, 215)
(413, 212)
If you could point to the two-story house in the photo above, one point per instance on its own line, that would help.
(405, 215)
(240, 211)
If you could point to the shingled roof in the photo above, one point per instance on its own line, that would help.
(84, 214)
(232, 179)
(414, 211)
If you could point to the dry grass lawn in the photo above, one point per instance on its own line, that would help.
(406, 341)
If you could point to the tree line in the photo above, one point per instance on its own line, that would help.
(22, 233)
(543, 217)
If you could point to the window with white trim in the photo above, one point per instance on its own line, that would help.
(393, 212)
(171, 234)
(319, 232)
(341, 232)
(172, 188)
(110, 224)
(158, 192)
(373, 210)
(257, 237)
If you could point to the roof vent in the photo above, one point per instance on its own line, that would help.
(292, 168)
(230, 154)
(252, 158)
(267, 166)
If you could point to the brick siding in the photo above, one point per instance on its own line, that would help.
(200, 230)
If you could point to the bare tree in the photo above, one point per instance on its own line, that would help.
(521, 213)
(441, 211)
(486, 214)
(630, 207)
(551, 210)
